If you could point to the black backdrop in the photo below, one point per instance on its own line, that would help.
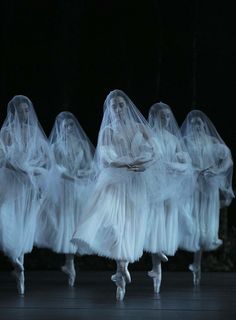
(68, 55)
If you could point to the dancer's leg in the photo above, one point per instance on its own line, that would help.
(69, 268)
(18, 273)
(195, 267)
(156, 272)
(121, 277)
(125, 271)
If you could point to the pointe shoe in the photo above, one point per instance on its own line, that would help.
(156, 279)
(125, 273)
(120, 294)
(196, 274)
(156, 285)
(163, 257)
(113, 277)
(120, 291)
(70, 273)
(20, 281)
(196, 278)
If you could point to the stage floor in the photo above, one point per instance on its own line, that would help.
(47, 296)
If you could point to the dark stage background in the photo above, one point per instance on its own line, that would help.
(68, 55)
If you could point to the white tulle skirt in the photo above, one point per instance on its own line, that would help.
(115, 218)
(18, 214)
(59, 219)
(163, 229)
(205, 215)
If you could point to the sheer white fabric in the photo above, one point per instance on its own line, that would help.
(73, 154)
(214, 165)
(115, 219)
(169, 217)
(26, 162)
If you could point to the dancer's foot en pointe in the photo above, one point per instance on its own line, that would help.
(125, 272)
(195, 267)
(69, 269)
(156, 272)
(121, 277)
(18, 274)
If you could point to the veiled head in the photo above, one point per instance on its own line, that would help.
(22, 108)
(117, 105)
(165, 115)
(68, 124)
(197, 124)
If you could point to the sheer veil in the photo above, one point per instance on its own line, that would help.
(209, 153)
(123, 185)
(26, 163)
(72, 159)
(179, 174)
(124, 120)
(25, 143)
(72, 148)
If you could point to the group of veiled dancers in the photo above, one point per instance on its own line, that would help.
(148, 186)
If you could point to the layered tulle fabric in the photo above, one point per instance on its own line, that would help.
(213, 163)
(26, 162)
(73, 153)
(115, 220)
(164, 227)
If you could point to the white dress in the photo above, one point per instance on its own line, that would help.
(22, 196)
(163, 224)
(60, 216)
(205, 202)
(114, 222)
